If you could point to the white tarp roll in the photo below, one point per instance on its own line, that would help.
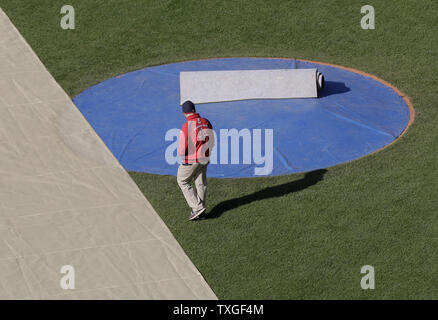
(217, 86)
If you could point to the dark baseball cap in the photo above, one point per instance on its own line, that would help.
(188, 107)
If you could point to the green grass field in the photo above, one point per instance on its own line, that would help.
(301, 236)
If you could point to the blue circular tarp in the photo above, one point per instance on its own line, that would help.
(355, 115)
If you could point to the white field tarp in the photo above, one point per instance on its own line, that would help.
(66, 201)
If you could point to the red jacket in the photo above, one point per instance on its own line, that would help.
(196, 139)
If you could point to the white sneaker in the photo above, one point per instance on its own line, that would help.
(194, 215)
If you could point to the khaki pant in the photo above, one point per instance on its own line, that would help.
(197, 172)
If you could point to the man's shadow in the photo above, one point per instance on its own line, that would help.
(309, 179)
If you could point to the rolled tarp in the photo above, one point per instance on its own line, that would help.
(220, 86)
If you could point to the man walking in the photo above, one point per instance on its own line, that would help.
(195, 143)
